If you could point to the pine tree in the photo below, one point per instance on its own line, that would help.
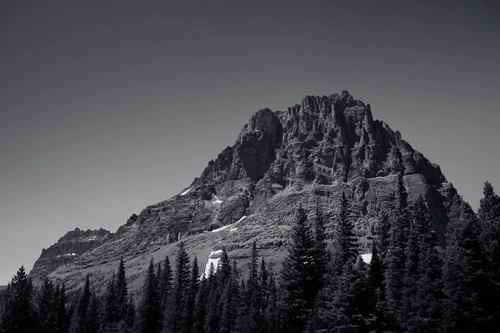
(464, 274)
(264, 288)
(92, 324)
(489, 214)
(150, 316)
(62, 317)
(46, 305)
(19, 313)
(121, 289)
(111, 306)
(130, 314)
(212, 314)
(271, 313)
(165, 282)
(229, 302)
(180, 288)
(224, 271)
(376, 275)
(82, 310)
(188, 322)
(350, 308)
(395, 261)
(298, 276)
(408, 314)
(253, 294)
(321, 256)
(199, 307)
(346, 250)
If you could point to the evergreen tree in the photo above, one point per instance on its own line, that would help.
(62, 317)
(19, 312)
(224, 270)
(271, 313)
(199, 308)
(253, 294)
(46, 304)
(92, 324)
(212, 314)
(180, 288)
(264, 288)
(150, 316)
(111, 306)
(346, 248)
(321, 256)
(191, 297)
(121, 289)
(82, 310)
(165, 282)
(489, 214)
(395, 262)
(375, 277)
(351, 311)
(130, 315)
(298, 276)
(229, 300)
(464, 275)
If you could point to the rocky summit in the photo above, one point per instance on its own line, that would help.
(307, 155)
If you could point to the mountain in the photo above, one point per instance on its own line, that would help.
(307, 155)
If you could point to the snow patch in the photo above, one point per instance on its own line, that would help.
(222, 228)
(230, 225)
(233, 229)
(213, 259)
(242, 218)
(367, 257)
(217, 200)
(186, 191)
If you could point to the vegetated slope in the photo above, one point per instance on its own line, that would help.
(307, 155)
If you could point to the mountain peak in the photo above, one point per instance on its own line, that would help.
(311, 154)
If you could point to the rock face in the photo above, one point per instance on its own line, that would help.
(306, 155)
(68, 248)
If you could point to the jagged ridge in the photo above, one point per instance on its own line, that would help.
(306, 155)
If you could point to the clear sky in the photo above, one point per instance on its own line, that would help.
(109, 106)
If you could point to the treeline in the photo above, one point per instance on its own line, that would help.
(412, 283)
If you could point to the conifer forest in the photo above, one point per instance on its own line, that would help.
(414, 282)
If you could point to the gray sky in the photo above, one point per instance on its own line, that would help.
(109, 106)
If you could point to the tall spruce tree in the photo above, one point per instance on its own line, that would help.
(346, 247)
(464, 275)
(321, 255)
(188, 323)
(179, 293)
(489, 214)
(150, 316)
(230, 300)
(47, 308)
(62, 317)
(19, 313)
(298, 276)
(253, 293)
(111, 307)
(82, 310)
(396, 258)
(121, 289)
(165, 282)
(200, 306)
(92, 323)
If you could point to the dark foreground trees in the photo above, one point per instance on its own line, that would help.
(412, 284)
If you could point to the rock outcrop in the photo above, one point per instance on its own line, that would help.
(306, 155)
(69, 247)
